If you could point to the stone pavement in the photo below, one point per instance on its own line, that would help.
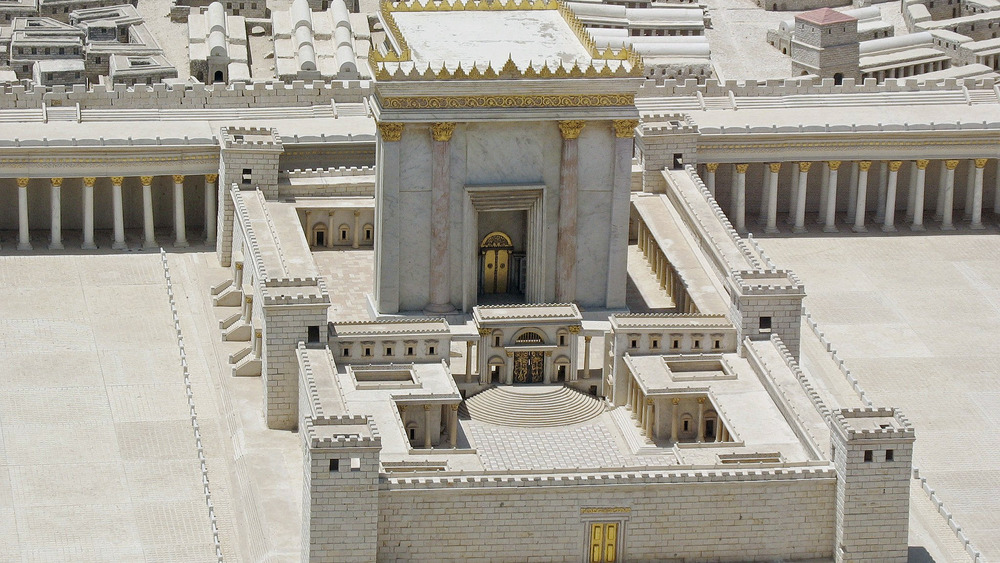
(349, 276)
(917, 319)
(97, 452)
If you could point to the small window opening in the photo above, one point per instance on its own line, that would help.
(313, 337)
(765, 324)
(347, 352)
(388, 351)
(431, 350)
(334, 465)
(368, 352)
(869, 456)
(687, 425)
(409, 350)
(247, 176)
(634, 344)
(697, 344)
(675, 343)
(562, 339)
(716, 344)
(656, 343)
(889, 454)
(496, 341)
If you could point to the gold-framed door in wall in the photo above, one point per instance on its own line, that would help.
(529, 367)
(603, 542)
(496, 249)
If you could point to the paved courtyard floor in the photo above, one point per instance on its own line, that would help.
(917, 319)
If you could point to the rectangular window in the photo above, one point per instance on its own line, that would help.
(633, 344)
(496, 341)
(716, 344)
(697, 344)
(368, 352)
(388, 351)
(765, 324)
(889, 454)
(431, 350)
(869, 456)
(334, 465)
(347, 352)
(675, 343)
(656, 344)
(247, 176)
(409, 350)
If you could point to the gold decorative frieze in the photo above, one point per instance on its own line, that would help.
(572, 128)
(507, 101)
(625, 128)
(442, 131)
(391, 131)
(574, 329)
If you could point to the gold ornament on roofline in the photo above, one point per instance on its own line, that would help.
(508, 101)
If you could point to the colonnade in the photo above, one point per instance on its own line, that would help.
(887, 194)
(644, 410)
(450, 423)
(668, 277)
(149, 239)
(908, 70)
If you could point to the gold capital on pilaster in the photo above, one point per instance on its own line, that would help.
(89, 181)
(981, 162)
(442, 131)
(117, 180)
(895, 165)
(922, 164)
(454, 407)
(571, 129)
(625, 128)
(146, 180)
(805, 166)
(574, 329)
(211, 178)
(484, 332)
(178, 178)
(23, 182)
(649, 401)
(742, 168)
(701, 400)
(864, 165)
(775, 167)
(357, 213)
(951, 164)
(712, 166)
(427, 407)
(391, 131)
(675, 401)
(56, 182)
(833, 164)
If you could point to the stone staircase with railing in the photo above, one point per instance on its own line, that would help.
(531, 406)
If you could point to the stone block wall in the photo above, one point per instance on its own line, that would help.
(762, 305)
(285, 325)
(737, 518)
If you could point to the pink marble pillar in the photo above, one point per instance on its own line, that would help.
(566, 241)
(440, 294)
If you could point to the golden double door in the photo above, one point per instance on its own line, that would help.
(496, 249)
(603, 542)
(529, 367)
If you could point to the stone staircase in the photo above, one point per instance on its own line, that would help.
(531, 406)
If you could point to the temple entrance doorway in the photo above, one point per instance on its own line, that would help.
(496, 250)
(529, 367)
(603, 542)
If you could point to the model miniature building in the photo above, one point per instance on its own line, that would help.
(217, 45)
(319, 44)
(825, 44)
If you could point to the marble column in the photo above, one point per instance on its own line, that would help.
(970, 182)
(852, 193)
(883, 179)
(675, 419)
(762, 200)
(977, 195)
(23, 235)
(772, 198)
(996, 190)
(331, 233)
(948, 201)
(911, 194)
(719, 430)
(649, 418)
(468, 361)
(862, 197)
(453, 427)
(180, 230)
(88, 213)
(56, 242)
(710, 169)
(357, 228)
(824, 188)
(739, 198)
(888, 224)
(701, 419)
(800, 198)
(793, 196)
(440, 270)
(210, 208)
(149, 239)
(829, 224)
(566, 239)
(427, 427)
(586, 356)
(942, 180)
(918, 195)
(119, 213)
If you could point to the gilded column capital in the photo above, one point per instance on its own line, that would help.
(575, 329)
(23, 182)
(571, 129)
(89, 181)
(117, 180)
(442, 131)
(922, 164)
(211, 178)
(146, 180)
(427, 407)
(625, 128)
(484, 332)
(805, 166)
(701, 400)
(391, 131)
(56, 182)
(357, 213)
(675, 401)
(951, 164)
(454, 407)
(864, 165)
(895, 165)
(742, 168)
(712, 166)
(248, 298)
(649, 402)
(775, 167)
(178, 178)
(981, 162)
(833, 164)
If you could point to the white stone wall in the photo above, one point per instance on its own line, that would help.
(730, 520)
(284, 327)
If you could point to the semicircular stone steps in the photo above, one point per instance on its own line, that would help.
(536, 406)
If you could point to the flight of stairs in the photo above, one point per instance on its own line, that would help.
(534, 406)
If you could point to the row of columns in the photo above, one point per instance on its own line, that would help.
(668, 277)
(909, 70)
(149, 240)
(644, 412)
(887, 189)
(355, 239)
(451, 423)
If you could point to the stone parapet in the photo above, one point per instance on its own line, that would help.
(798, 86)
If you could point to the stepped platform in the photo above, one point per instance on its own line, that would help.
(531, 406)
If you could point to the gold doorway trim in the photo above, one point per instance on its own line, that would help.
(496, 250)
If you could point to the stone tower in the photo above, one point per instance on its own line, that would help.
(825, 43)
(872, 453)
(766, 302)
